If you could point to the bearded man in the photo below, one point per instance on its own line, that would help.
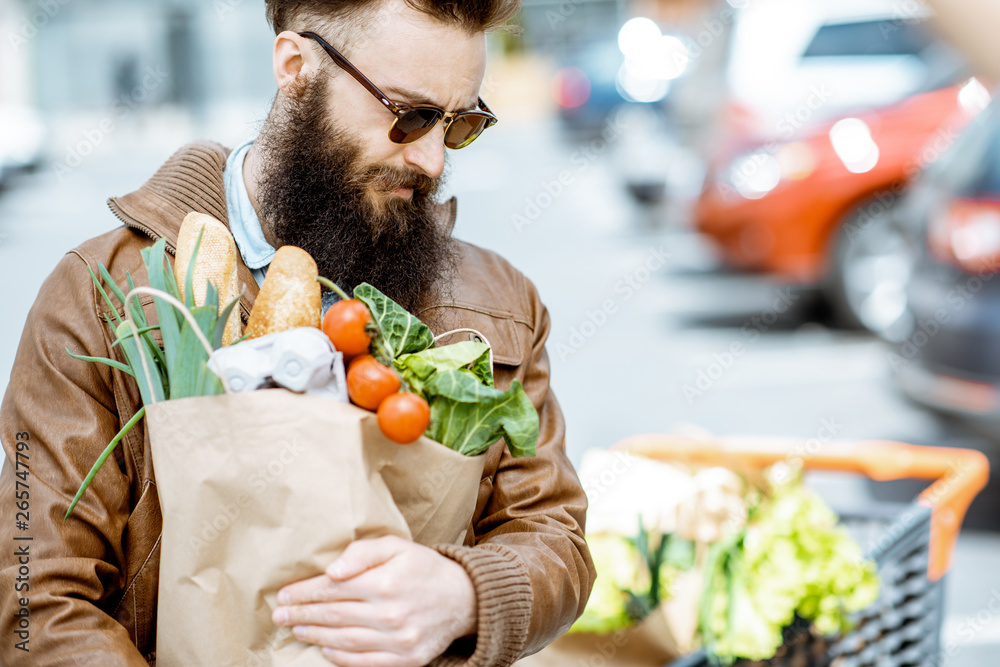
(370, 93)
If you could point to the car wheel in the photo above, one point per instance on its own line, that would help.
(870, 269)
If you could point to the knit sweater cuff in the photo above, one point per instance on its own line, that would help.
(503, 593)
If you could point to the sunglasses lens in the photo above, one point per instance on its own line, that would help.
(465, 129)
(413, 124)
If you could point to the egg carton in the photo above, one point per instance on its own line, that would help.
(302, 360)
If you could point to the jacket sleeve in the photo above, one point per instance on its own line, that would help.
(530, 566)
(58, 415)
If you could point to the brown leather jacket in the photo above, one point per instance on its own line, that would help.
(90, 583)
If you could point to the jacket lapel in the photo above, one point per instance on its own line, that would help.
(191, 180)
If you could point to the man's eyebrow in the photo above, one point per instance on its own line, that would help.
(400, 94)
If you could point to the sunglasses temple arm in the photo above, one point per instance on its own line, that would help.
(346, 65)
(482, 105)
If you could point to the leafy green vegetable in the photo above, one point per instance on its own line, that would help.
(418, 368)
(633, 578)
(450, 357)
(468, 414)
(471, 427)
(792, 559)
(151, 386)
(170, 320)
(180, 368)
(461, 386)
(670, 555)
(124, 368)
(401, 332)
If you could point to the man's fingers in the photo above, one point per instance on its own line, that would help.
(320, 589)
(371, 659)
(336, 584)
(342, 615)
(317, 589)
(364, 555)
(350, 640)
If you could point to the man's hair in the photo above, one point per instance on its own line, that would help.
(472, 15)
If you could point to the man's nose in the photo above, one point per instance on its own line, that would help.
(427, 152)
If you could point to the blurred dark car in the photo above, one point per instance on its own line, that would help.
(586, 88)
(951, 359)
(637, 67)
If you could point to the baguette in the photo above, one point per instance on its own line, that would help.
(290, 296)
(216, 264)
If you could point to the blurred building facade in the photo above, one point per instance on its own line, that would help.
(84, 55)
(190, 53)
(15, 60)
(203, 67)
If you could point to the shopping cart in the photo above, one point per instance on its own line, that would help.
(912, 543)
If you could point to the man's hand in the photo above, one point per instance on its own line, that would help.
(385, 602)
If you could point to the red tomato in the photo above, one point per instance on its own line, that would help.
(369, 382)
(345, 323)
(404, 417)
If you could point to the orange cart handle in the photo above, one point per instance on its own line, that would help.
(960, 473)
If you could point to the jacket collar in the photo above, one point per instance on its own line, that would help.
(191, 180)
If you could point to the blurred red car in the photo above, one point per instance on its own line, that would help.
(812, 209)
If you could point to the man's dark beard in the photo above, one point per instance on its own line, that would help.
(315, 194)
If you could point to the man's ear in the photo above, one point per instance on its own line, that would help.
(292, 62)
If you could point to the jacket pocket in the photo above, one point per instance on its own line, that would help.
(485, 491)
(508, 337)
(137, 609)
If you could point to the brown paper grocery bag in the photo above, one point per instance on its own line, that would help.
(262, 489)
(434, 487)
(647, 644)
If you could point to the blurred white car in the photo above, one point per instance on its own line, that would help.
(795, 62)
(22, 139)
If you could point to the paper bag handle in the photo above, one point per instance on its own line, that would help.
(183, 311)
(474, 333)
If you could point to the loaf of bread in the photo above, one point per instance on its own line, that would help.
(290, 296)
(216, 263)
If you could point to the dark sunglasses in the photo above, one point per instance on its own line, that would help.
(461, 128)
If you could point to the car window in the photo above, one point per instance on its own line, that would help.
(868, 38)
(972, 165)
(985, 181)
